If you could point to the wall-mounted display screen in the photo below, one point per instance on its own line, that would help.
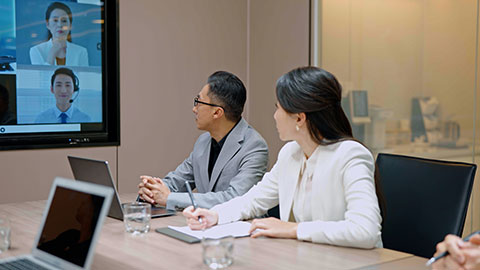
(58, 73)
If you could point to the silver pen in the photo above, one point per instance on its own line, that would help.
(190, 193)
(443, 254)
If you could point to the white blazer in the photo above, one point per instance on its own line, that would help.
(76, 54)
(345, 208)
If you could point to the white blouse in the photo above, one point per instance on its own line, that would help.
(338, 206)
(302, 208)
(76, 54)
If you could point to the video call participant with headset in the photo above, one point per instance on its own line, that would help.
(64, 84)
(323, 180)
(59, 49)
(226, 161)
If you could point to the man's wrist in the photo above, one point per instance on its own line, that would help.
(216, 218)
(164, 201)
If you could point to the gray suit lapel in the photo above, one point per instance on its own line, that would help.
(229, 149)
(203, 162)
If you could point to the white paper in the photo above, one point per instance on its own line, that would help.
(235, 229)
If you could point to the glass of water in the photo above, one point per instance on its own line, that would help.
(136, 217)
(218, 253)
(4, 234)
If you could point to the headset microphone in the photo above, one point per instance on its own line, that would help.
(76, 87)
(73, 99)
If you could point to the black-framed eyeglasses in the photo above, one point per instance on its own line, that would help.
(196, 102)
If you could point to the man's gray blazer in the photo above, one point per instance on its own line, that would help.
(240, 165)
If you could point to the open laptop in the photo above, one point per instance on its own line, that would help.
(98, 172)
(70, 227)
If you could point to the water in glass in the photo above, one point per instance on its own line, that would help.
(137, 217)
(218, 253)
(4, 234)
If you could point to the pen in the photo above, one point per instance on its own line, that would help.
(189, 189)
(434, 259)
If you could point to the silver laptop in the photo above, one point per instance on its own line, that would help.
(98, 172)
(73, 209)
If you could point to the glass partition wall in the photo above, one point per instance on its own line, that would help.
(409, 69)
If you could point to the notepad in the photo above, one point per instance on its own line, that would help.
(235, 229)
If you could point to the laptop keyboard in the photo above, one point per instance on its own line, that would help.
(21, 264)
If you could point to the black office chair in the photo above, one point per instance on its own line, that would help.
(274, 212)
(425, 200)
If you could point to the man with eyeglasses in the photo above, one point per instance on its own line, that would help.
(226, 161)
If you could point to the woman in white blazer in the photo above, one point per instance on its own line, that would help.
(323, 179)
(58, 49)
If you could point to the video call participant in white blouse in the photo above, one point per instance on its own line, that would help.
(59, 49)
(63, 84)
(323, 180)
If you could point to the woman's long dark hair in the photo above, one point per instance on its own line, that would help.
(57, 5)
(317, 93)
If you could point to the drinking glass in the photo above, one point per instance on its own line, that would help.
(136, 217)
(4, 234)
(218, 253)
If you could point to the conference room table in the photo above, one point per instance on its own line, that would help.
(117, 249)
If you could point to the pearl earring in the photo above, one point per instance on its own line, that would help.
(297, 128)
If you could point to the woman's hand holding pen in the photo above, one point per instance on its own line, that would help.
(208, 218)
(462, 255)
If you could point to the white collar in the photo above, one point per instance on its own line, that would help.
(69, 112)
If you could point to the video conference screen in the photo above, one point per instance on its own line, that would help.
(51, 66)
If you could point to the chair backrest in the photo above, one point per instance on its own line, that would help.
(274, 212)
(425, 200)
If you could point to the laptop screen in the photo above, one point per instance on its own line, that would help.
(70, 225)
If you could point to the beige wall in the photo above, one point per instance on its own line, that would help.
(166, 57)
(167, 50)
(27, 174)
(279, 31)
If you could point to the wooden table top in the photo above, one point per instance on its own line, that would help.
(117, 249)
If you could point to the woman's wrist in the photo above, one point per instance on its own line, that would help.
(294, 230)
